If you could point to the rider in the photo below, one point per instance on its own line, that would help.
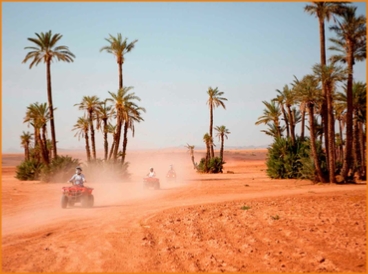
(151, 174)
(78, 178)
(171, 170)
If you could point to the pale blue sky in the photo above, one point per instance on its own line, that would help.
(247, 50)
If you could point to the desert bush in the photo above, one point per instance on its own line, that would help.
(215, 165)
(60, 169)
(29, 170)
(286, 161)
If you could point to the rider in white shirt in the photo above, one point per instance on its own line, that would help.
(78, 178)
(151, 174)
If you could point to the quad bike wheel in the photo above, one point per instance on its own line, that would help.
(64, 201)
(71, 203)
(85, 201)
(91, 201)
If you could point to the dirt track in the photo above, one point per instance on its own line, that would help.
(241, 222)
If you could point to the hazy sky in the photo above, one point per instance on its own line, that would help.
(247, 50)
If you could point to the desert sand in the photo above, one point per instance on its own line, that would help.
(230, 222)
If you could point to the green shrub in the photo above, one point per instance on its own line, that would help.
(286, 161)
(60, 169)
(215, 165)
(29, 170)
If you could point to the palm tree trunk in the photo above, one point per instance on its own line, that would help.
(117, 137)
(292, 126)
(302, 124)
(51, 108)
(88, 151)
(112, 148)
(324, 115)
(92, 134)
(222, 149)
(211, 129)
(286, 121)
(349, 115)
(41, 146)
(106, 144)
(125, 141)
(44, 143)
(357, 158)
(331, 138)
(26, 152)
(313, 143)
(362, 149)
(120, 75)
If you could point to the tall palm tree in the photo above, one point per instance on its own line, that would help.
(214, 100)
(191, 151)
(351, 31)
(91, 104)
(123, 103)
(47, 50)
(119, 47)
(222, 132)
(104, 112)
(307, 90)
(26, 139)
(271, 113)
(330, 75)
(134, 115)
(38, 116)
(82, 127)
(324, 11)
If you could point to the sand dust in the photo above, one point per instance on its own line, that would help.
(231, 222)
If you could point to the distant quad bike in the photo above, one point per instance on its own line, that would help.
(151, 182)
(77, 194)
(171, 176)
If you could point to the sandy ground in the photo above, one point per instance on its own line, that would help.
(230, 222)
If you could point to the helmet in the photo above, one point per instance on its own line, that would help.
(151, 169)
(78, 168)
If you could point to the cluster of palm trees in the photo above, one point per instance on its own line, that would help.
(215, 99)
(316, 95)
(97, 113)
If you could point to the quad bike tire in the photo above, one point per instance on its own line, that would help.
(64, 201)
(71, 203)
(91, 201)
(85, 201)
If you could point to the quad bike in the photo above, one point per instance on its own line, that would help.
(171, 176)
(151, 182)
(77, 194)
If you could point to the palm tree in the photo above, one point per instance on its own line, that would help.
(38, 115)
(26, 139)
(119, 47)
(104, 112)
(324, 11)
(46, 50)
(208, 140)
(134, 115)
(82, 126)
(307, 90)
(271, 114)
(123, 103)
(272, 130)
(359, 121)
(351, 32)
(280, 99)
(112, 130)
(288, 96)
(191, 151)
(214, 100)
(222, 132)
(330, 75)
(91, 105)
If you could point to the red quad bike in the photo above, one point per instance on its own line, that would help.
(171, 176)
(151, 182)
(77, 194)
